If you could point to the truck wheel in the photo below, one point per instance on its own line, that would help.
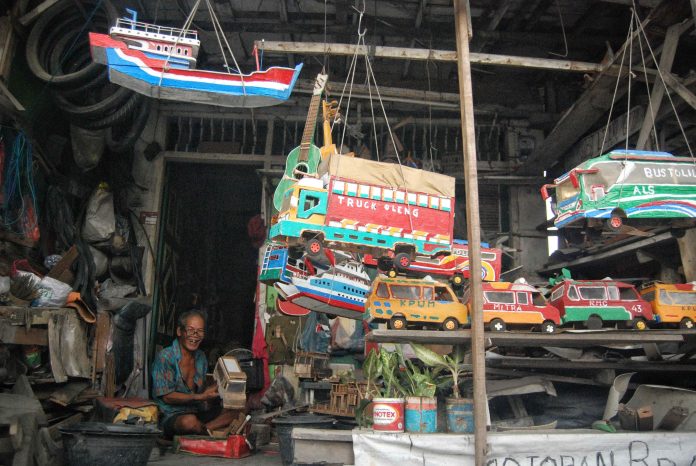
(313, 247)
(457, 279)
(615, 222)
(639, 324)
(497, 325)
(397, 323)
(402, 261)
(594, 323)
(549, 326)
(391, 273)
(686, 323)
(450, 324)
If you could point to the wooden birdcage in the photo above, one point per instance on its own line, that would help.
(311, 365)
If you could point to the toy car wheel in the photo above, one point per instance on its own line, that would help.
(594, 323)
(450, 324)
(686, 323)
(615, 222)
(457, 279)
(397, 323)
(391, 273)
(313, 247)
(402, 261)
(497, 325)
(639, 324)
(549, 326)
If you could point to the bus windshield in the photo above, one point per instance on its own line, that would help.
(678, 298)
(565, 191)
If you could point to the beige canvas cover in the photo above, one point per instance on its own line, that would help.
(387, 174)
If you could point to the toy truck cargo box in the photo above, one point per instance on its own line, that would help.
(367, 206)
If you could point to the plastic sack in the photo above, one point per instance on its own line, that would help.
(100, 221)
(316, 333)
(52, 260)
(52, 293)
(88, 146)
(100, 260)
(4, 285)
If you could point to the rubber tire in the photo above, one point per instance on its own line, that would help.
(398, 323)
(94, 111)
(450, 324)
(35, 38)
(497, 325)
(457, 279)
(687, 323)
(313, 247)
(594, 322)
(115, 118)
(402, 261)
(549, 326)
(639, 324)
(128, 140)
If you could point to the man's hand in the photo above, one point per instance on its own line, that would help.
(210, 393)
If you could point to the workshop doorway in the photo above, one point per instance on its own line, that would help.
(205, 256)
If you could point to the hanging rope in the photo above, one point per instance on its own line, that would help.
(641, 30)
(647, 92)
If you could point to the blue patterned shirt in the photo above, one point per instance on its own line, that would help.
(167, 378)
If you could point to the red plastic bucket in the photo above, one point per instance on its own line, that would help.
(388, 414)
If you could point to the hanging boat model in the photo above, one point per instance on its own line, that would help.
(159, 62)
(340, 291)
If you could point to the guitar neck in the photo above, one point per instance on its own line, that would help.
(309, 128)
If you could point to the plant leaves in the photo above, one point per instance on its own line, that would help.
(427, 356)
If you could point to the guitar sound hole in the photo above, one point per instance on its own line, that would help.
(301, 169)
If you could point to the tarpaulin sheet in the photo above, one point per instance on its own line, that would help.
(549, 448)
(388, 174)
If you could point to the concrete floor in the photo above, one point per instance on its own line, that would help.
(268, 455)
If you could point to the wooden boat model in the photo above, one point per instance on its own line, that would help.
(159, 62)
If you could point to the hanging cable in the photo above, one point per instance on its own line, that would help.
(647, 91)
(613, 99)
(565, 39)
(630, 75)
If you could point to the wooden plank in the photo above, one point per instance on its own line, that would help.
(405, 53)
(610, 253)
(669, 50)
(687, 250)
(531, 339)
(530, 363)
(11, 334)
(29, 316)
(678, 86)
(66, 394)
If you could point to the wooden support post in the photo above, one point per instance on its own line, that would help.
(669, 50)
(687, 250)
(473, 226)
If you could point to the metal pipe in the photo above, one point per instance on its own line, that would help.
(473, 226)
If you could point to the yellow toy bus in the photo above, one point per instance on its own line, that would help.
(671, 303)
(405, 301)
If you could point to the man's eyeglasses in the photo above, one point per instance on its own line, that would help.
(194, 332)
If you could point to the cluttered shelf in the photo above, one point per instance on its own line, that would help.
(530, 339)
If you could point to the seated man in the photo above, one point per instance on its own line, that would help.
(178, 383)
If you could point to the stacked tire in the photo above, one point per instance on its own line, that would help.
(58, 53)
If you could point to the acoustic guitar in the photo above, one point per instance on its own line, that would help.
(304, 159)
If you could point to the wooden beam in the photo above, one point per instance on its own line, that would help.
(687, 251)
(405, 53)
(669, 50)
(13, 335)
(644, 3)
(530, 339)
(473, 225)
(33, 14)
(678, 87)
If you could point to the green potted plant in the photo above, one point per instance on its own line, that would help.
(459, 410)
(421, 404)
(384, 392)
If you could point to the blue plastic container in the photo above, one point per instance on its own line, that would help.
(421, 414)
(460, 415)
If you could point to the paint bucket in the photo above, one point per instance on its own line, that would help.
(460, 415)
(421, 414)
(388, 414)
